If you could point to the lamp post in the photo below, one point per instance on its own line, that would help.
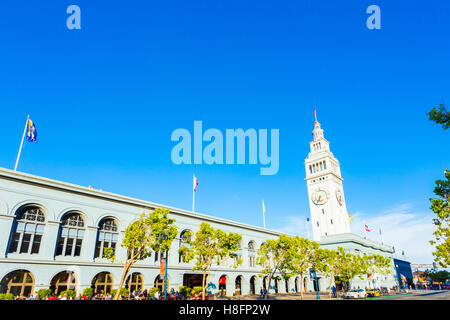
(165, 237)
(165, 275)
(313, 273)
(317, 285)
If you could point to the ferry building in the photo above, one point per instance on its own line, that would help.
(52, 235)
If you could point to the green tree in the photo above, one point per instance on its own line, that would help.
(437, 276)
(318, 261)
(440, 115)
(333, 264)
(351, 265)
(208, 246)
(441, 207)
(153, 232)
(275, 255)
(377, 264)
(300, 257)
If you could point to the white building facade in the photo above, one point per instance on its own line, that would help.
(325, 189)
(52, 234)
(329, 217)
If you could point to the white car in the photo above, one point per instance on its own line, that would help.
(352, 294)
(362, 293)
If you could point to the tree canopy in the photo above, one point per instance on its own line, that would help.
(440, 115)
(150, 233)
(209, 245)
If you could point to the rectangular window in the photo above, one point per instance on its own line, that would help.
(36, 244)
(105, 245)
(98, 246)
(25, 243)
(14, 242)
(78, 248)
(69, 246)
(60, 246)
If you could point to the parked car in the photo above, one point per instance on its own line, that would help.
(373, 293)
(362, 293)
(351, 294)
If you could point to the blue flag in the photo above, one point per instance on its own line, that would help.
(31, 131)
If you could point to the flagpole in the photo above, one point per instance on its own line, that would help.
(264, 214)
(193, 193)
(264, 220)
(365, 230)
(307, 228)
(21, 143)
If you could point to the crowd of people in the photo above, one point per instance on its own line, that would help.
(135, 295)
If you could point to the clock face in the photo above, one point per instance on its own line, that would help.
(320, 196)
(339, 196)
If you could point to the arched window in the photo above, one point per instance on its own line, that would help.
(102, 283)
(185, 235)
(70, 235)
(238, 285)
(19, 283)
(107, 236)
(63, 281)
(251, 254)
(238, 253)
(27, 230)
(134, 282)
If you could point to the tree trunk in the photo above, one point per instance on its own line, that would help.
(126, 268)
(331, 282)
(302, 285)
(206, 284)
(203, 285)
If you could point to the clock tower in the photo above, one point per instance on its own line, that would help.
(325, 190)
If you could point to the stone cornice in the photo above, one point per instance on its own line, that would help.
(350, 237)
(89, 192)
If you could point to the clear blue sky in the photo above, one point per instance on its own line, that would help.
(105, 99)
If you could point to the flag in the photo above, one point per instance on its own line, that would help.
(31, 131)
(366, 227)
(315, 114)
(350, 218)
(195, 184)
(380, 231)
(264, 206)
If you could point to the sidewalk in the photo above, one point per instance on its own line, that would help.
(282, 296)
